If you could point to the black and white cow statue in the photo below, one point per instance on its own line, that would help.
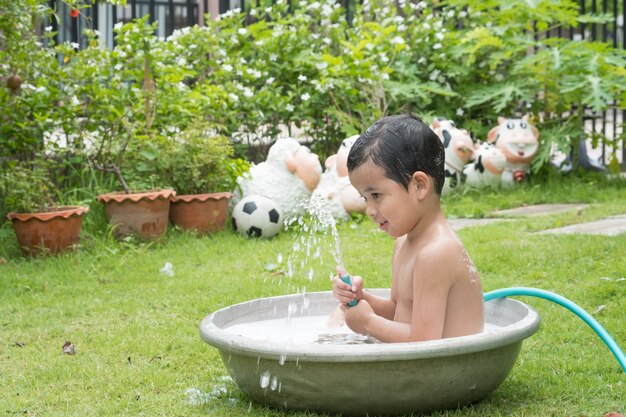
(487, 167)
(459, 151)
(519, 141)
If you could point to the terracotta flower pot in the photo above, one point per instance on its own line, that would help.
(203, 213)
(143, 213)
(48, 232)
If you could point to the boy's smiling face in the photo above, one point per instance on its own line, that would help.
(395, 209)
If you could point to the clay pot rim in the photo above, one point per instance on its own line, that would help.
(64, 212)
(121, 196)
(188, 198)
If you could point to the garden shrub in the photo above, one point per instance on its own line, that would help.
(284, 65)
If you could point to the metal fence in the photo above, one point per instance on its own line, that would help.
(176, 14)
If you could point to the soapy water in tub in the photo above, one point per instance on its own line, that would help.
(307, 330)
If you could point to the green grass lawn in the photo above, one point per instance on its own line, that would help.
(135, 330)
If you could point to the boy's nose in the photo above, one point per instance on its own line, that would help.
(370, 211)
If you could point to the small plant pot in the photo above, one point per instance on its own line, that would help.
(204, 213)
(144, 214)
(53, 231)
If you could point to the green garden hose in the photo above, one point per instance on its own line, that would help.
(574, 308)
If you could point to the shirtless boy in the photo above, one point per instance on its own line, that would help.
(397, 165)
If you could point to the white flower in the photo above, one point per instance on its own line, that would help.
(439, 36)
(327, 41)
(252, 12)
(75, 101)
(118, 25)
(181, 62)
(273, 57)
(269, 81)
(314, 6)
(247, 92)
(385, 76)
(421, 5)
(460, 112)
(233, 97)
(462, 13)
(321, 65)
(437, 46)
(48, 29)
(289, 107)
(227, 67)
(397, 40)
(242, 31)
(118, 67)
(302, 77)
(255, 73)
(74, 45)
(305, 96)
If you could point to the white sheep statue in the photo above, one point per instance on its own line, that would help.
(335, 187)
(287, 177)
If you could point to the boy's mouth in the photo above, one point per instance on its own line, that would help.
(383, 225)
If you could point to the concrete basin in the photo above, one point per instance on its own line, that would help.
(356, 377)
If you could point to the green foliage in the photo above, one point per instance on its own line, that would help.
(26, 187)
(194, 161)
(276, 68)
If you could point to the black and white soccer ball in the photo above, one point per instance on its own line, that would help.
(257, 216)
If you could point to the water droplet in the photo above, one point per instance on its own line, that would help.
(265, 379)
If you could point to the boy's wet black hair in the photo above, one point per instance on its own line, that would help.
(401, 145)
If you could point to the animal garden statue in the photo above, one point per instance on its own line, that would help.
(487, 168)
(335, 187)
(519, 141)
(283, 183)
(459, 151)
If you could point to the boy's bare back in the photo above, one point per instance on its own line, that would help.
(435, 285)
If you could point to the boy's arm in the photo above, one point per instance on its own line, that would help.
(384, 307)
(432, 278)
(431, 283)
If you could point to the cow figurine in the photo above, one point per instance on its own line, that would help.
(458, 151)
(335, 187)
(519, 141)
(487, 168)
(288, 177)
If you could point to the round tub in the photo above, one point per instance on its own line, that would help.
(366, 378)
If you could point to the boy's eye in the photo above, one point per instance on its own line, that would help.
(375, 196)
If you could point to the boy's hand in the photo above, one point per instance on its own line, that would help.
(345, 293)
(357, 317)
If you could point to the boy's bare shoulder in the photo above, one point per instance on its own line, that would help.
(445, 250)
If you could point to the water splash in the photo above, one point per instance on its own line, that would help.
(316, 235)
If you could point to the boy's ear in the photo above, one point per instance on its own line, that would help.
(422, 182)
